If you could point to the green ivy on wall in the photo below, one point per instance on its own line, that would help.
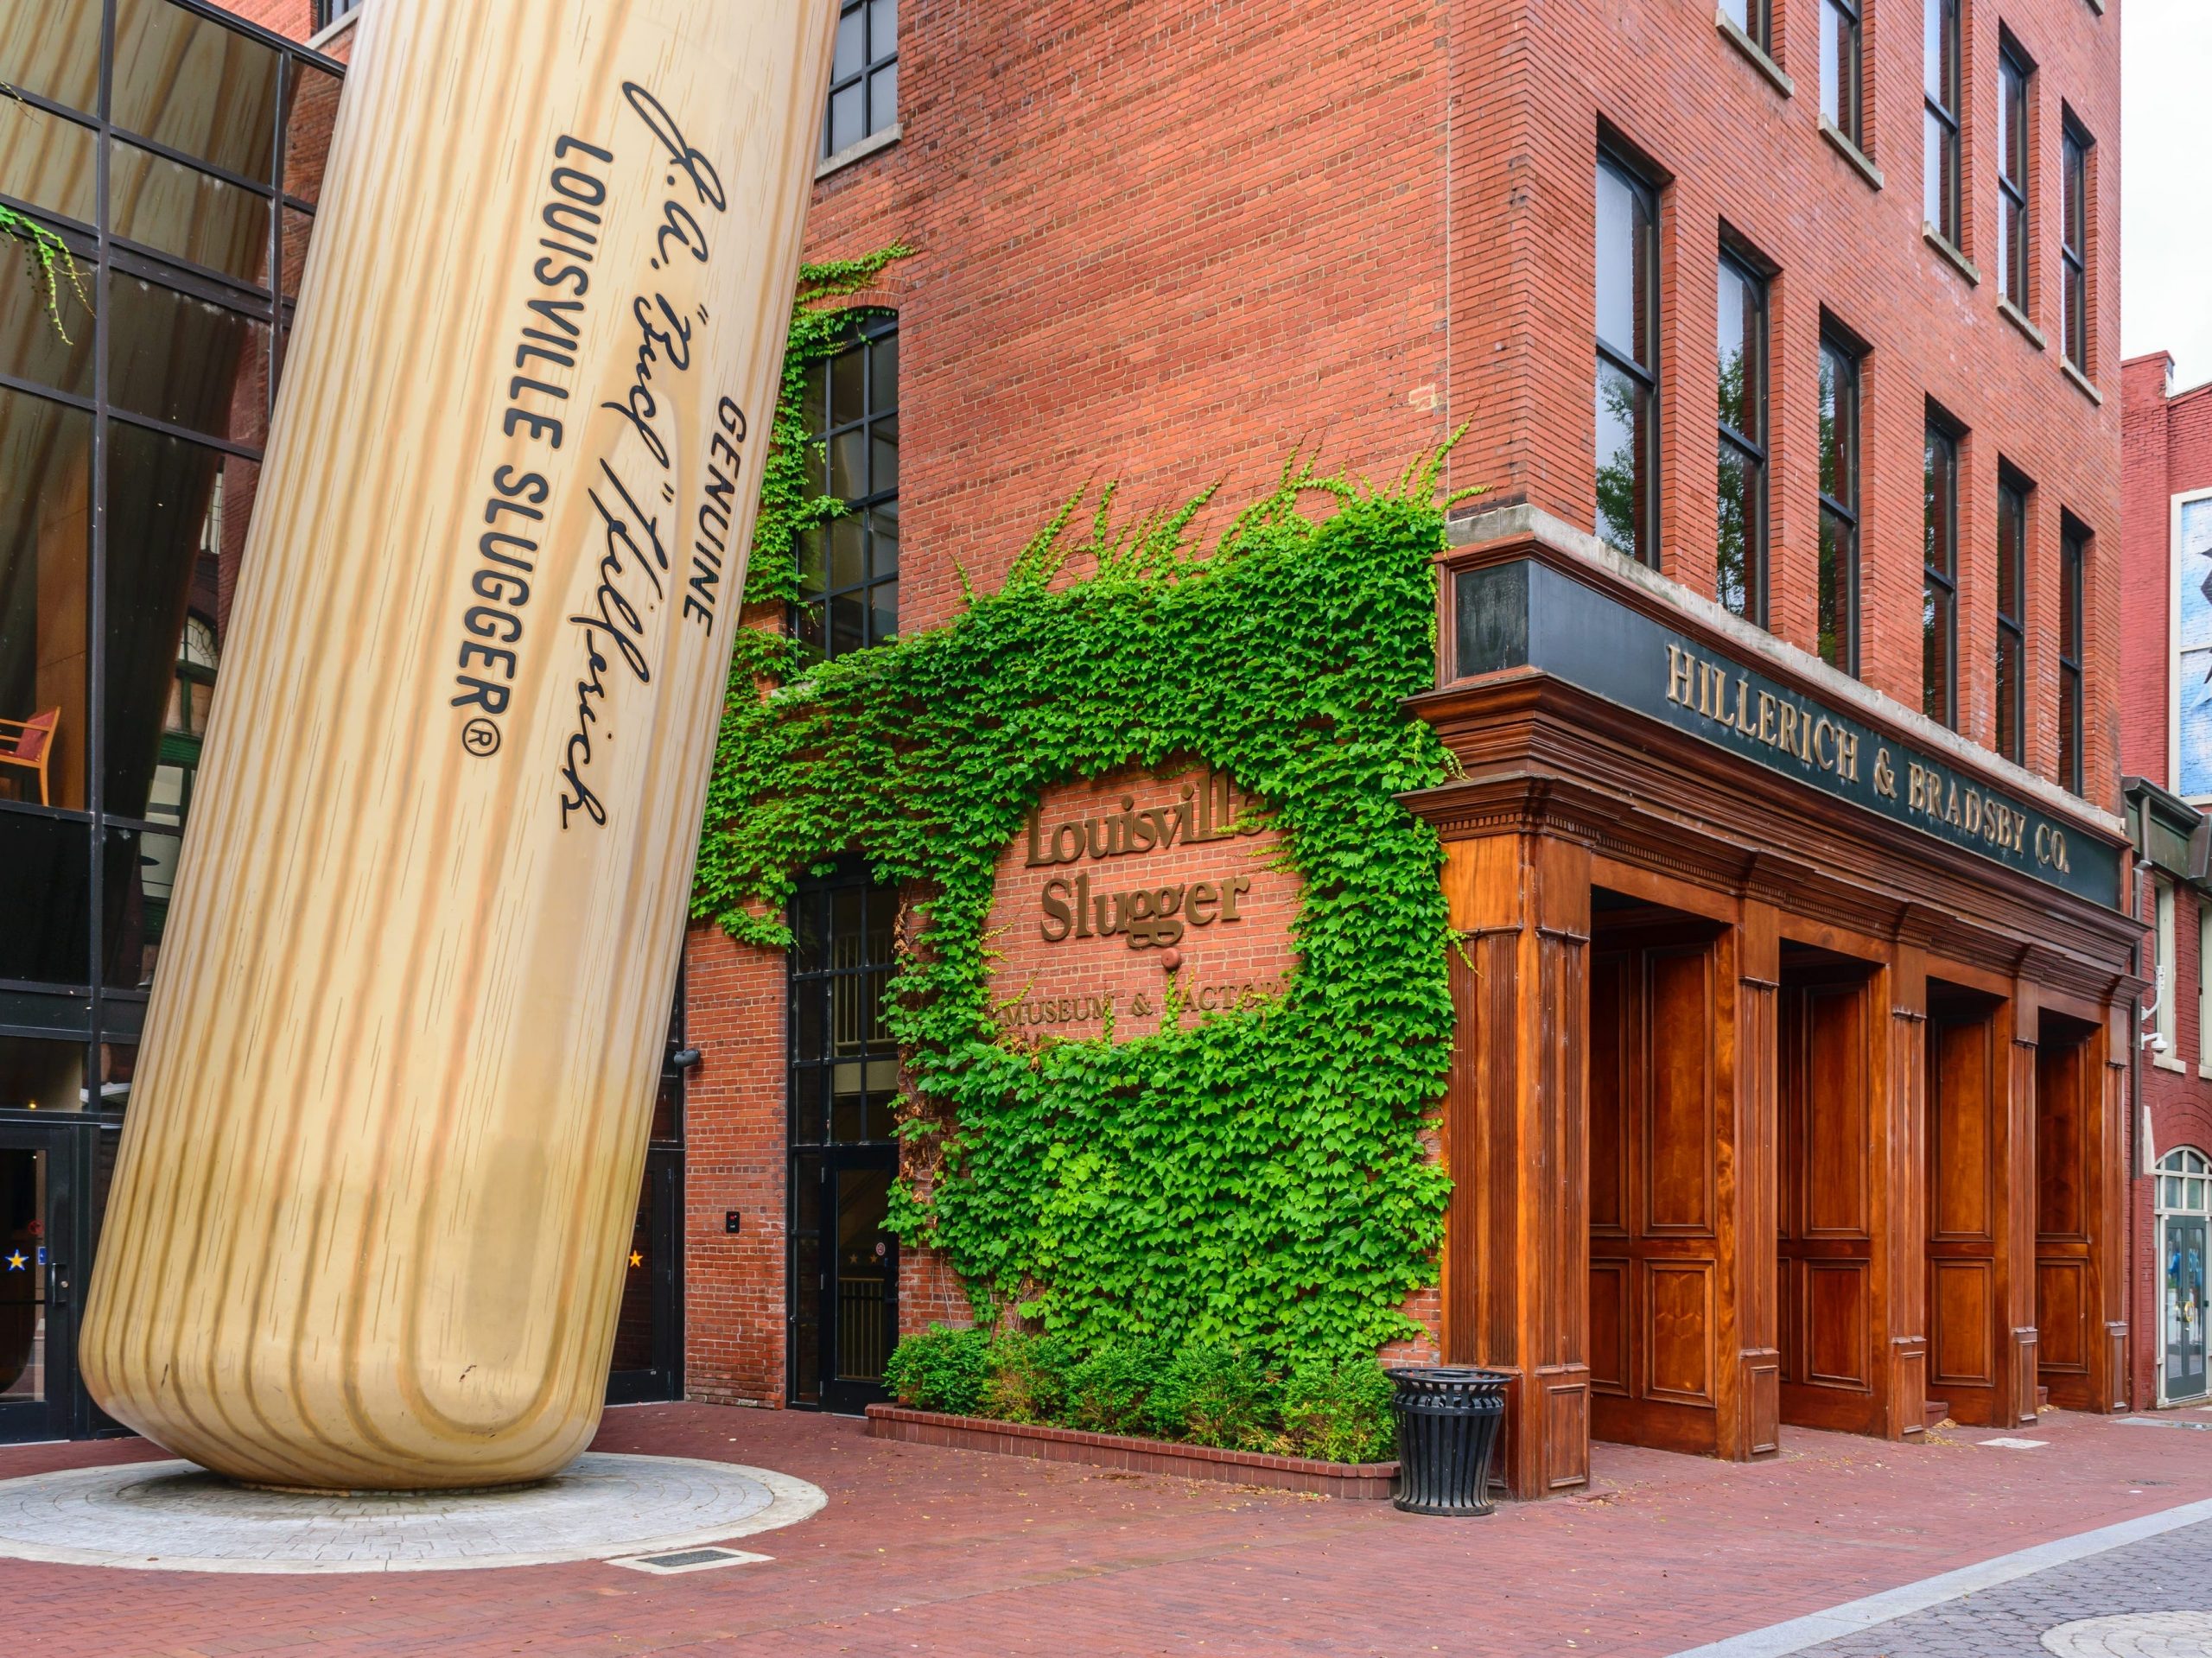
(47, 262)
(1257, 1177)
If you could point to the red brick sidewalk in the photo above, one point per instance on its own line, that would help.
(944, 1552)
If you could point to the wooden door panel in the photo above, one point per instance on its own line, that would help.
(1609, 1051)
(1835, 1134)
(1678, 1111)
(2062, 1113)
(1837, 1312)
(1962, 1305)
(1678, 1330)
(2063, 1316)
(1609, 1315)
(1960, 1139)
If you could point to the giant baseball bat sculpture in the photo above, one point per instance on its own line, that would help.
(371, 1218)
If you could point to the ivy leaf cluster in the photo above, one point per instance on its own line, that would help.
(1258, 1177)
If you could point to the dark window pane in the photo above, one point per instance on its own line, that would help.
(32, 346)
(46, 894)
(2069, 729)
(194, 215)
(848, 384)
(1623, 299)
(883, 611)
(312, 111)
(813, 561)
(118, 1070)
(810, 626)
(1624, 421)
(814, 402)
(2008, 694)
(195, 87)
(1836, 565)
(883, 97)
(1841, 54)
(41, 1076)
(138, 877)
(1838, 426)
(883, 543)
(1733, 552)
(847, 551)
(45, 604)
(883, 454)
(882, 28)
(809, 936)
(177, 516)
(1737, 346)
(848, 117)
(883, 374)
(51, 48)
(48, 160)
(178, 358)
(851, 55)
(1935, 632)
(2011, 510)
(809, 1022)
(849, 465)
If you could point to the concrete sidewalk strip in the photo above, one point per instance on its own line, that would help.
(1777, 1640)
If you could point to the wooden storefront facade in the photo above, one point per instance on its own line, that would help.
(1786, 1089)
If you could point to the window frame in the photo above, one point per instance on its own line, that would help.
(2014, 494)
(1940, 94)
(2074, 149)
(1758, 26)
(1650, 376)
(864, 77)
(1845, 512)
(1752, 448)
(327, 12)
(2015, 215)
(1941, 582)
(1850, 64)
(2074, 552)
(869, 328)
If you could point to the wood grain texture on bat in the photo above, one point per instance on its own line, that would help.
(370, 1217)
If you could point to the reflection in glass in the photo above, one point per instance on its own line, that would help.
(48, 161)
(51, 48)
(195, 216)
(45, 590)
(864, 1263)
(848, 595)
(1623, 422)
(23, 1270)
(177, 359)
(177, 514)
(1838, 563)
(119, 1068)
(190, 84)
(45, 883)
(1733, 586)
(38, 1075)
(32, 346)
(137, 879)
(310, 112)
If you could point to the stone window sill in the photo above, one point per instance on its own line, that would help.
(858, 152)
(324, 38)
(2013, 314)
(2164, 1064)
(2082, 384)
(1752, 49)
(1942, 243)
(1850, 152)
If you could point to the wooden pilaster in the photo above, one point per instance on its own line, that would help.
(1902, 1107)
(1747, 1305)
(1517, 1250)
(2017, 1381)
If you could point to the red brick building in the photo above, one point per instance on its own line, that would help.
(1786, 344)
(2167, 517)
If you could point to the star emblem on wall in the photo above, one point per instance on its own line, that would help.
(16, 1263)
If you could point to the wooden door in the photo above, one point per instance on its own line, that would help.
(1966, 1343)
(1653, 1196)
(2069, 1320)
(1829, 1210)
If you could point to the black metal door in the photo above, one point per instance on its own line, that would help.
(38, 1281)
(648, 1361)
(855, 1260)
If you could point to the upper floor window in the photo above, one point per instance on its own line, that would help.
(1839, 570)
(1841, 59)
(1939, 98)
(2073, 247)
(2011, 614)
(2163, 986)
(2073, 565)
(1740, 548)
(2012, 178)
(1628, 361)
(1755, 18)
(849, 567)
(1939, 590)
(327, 12)
(863, 74)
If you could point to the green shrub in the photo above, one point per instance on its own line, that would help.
(1210, 1393)
(1107, 1389)
(1339, 1412)
(940, 1369)
(1028, 1378)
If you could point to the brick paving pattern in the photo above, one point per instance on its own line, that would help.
(939, 1551)
(2167, 1574)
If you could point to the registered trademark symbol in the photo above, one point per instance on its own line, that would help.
(481, 737)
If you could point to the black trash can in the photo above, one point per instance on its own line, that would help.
(1448, 1420)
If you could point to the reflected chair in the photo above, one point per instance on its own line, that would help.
(28, 744)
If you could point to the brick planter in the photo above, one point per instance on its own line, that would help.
(1370, 1480)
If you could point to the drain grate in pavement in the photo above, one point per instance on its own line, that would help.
(2135, 1634)
(689, 1559)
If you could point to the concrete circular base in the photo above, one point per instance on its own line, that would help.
(173, 1516)
(2135, 1635)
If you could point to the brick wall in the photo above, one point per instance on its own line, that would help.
(1169, 244)
(2168, 452)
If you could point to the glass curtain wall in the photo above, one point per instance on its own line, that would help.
(176, 153)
